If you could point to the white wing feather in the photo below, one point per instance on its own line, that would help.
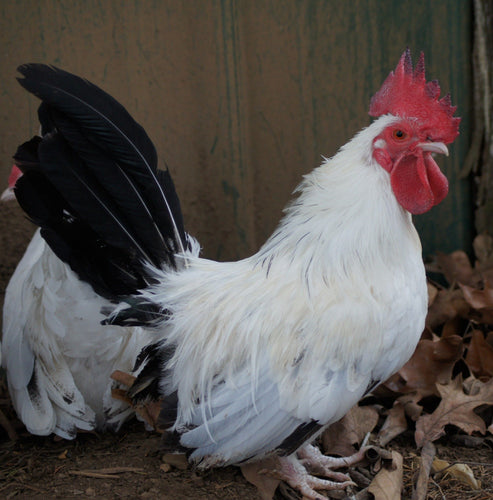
(57, 356)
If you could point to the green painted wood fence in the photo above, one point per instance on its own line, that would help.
(243, 97)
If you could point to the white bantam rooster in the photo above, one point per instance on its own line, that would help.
(57, 357)
(255, 358)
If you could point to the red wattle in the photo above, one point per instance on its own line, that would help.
(438, 182)
(418, 183)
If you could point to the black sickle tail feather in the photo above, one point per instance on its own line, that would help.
(91, 182)
(108, 269)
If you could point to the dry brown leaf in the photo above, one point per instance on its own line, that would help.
(395, 424)
(123, 378)
(461, 472)
(177, 460)
(483, 249)
(457, 268)
(468, 441)
(481, 301)
(487, 275)
(340, 437)
(165, 467)
(265, 484)
(456, 408)
(472, 385)
(448, 304)
(453, 326)
(411, 407)
(387, 484)
(479, 356)
(489, 338)
(432, 293)
(432, 362)
(478, 298)
(427, 334)
(395, 383)
(148, 412)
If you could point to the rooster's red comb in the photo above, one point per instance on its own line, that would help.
(406, 93)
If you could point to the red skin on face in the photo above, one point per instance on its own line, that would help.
(416, 179)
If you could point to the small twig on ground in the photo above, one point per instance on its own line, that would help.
(427, 455)
(108, 473)
(439, 489)
(18, 486)
(119, 470)
(96, 475)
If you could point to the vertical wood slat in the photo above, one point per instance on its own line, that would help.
(243, 97)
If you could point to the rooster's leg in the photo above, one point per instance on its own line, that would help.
(293, 472)
(314, 460)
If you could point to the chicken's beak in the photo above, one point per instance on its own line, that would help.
(434, 147)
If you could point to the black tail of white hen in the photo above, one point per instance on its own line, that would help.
(91, 182)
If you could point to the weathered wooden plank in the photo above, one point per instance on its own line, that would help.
(243, 97)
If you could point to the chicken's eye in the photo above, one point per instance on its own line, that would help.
(399, 135)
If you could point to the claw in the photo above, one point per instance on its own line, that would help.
(292, 471)
(315, 460)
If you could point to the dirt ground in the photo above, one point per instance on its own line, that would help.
(129, 465)
(108, 467)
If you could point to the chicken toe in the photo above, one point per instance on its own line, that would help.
(314, 460)
(293, 472)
